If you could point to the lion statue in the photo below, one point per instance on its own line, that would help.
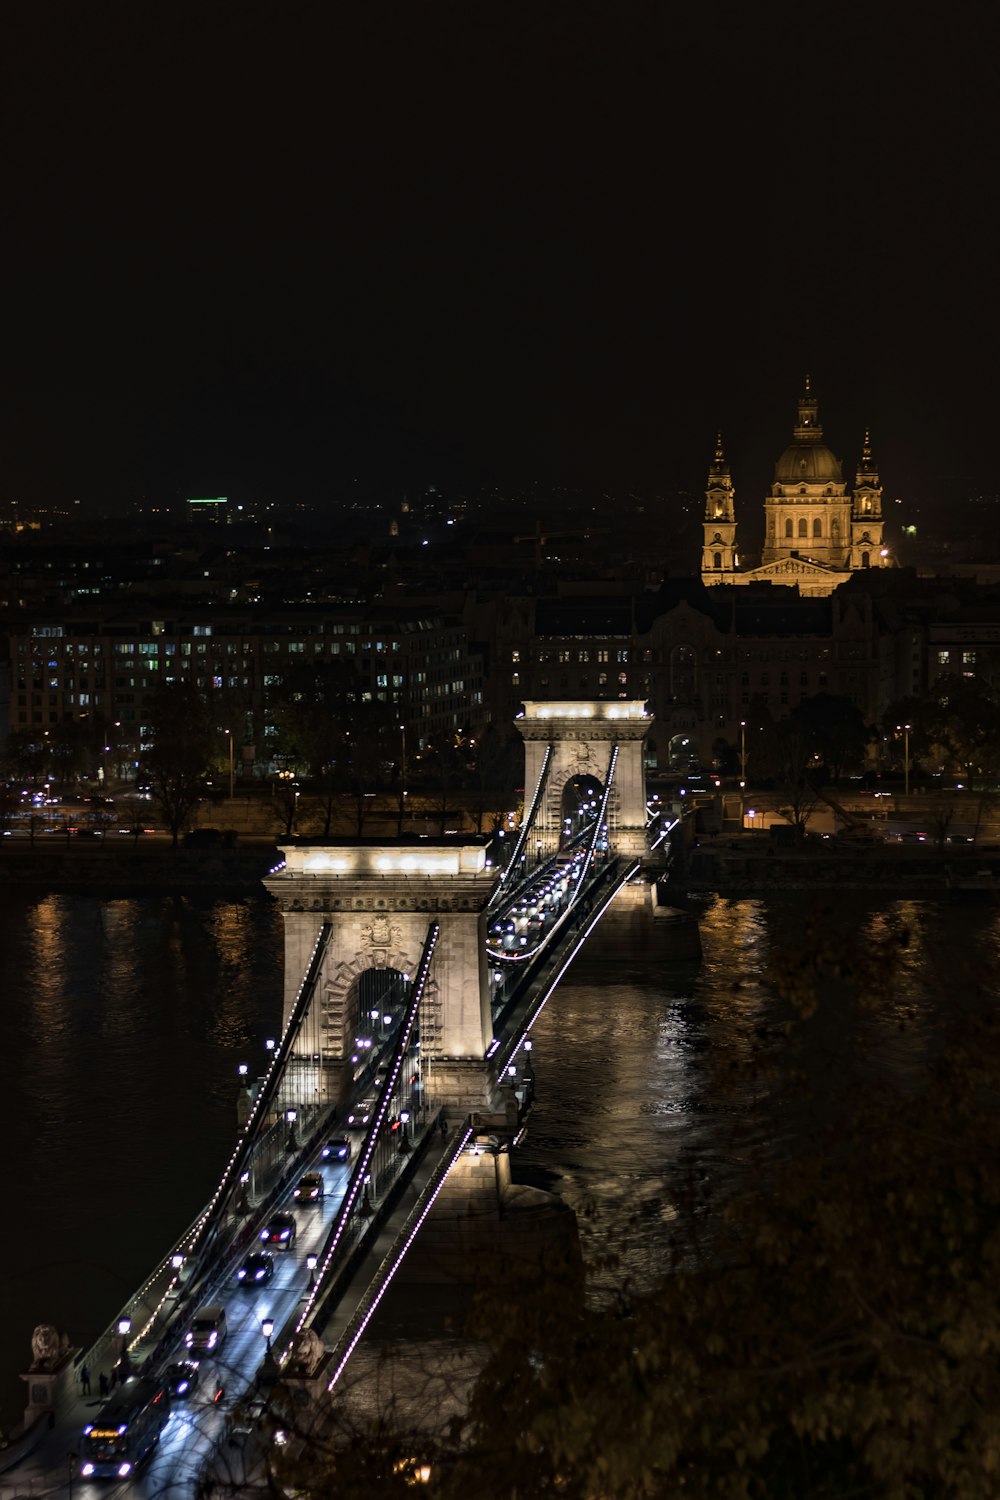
(309, 1350)
(45, 1346)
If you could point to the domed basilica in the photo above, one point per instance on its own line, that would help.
(816, 534)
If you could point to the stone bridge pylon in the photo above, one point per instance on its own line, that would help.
(380, 899)
(582, 734)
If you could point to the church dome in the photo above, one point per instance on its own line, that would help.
(807, 459)
(807, 463)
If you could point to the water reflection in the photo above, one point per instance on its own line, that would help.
(122, 1026)
(123, 1023)
(658, 1097)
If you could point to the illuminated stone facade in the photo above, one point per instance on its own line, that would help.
(379, 900)
(582, 734)
(816, 533)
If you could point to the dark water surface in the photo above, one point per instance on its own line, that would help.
(122, 1023)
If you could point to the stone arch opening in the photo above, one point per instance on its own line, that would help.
(376, 993)
(581, 799)
(352, 991)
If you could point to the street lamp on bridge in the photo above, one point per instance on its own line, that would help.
(269, 1372)
(124, 1329)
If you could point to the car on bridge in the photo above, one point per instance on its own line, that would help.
(310, 1188)
(207, 1332)
(181, 1378)
(362, 1112)
(279, 1230)
(257, 1269)
(338, 1148)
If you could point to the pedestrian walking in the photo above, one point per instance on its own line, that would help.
(85, 1380)
(102, 1383)
(443, 1124)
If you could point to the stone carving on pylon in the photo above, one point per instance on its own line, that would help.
(381, 934)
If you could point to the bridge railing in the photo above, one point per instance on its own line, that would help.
(265, 1096)
(525, 971)
(515, 1020)
(377, 1287)
(509, 874)
(340, 1231)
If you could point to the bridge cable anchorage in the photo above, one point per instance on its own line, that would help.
(267, 1092)
(529, 822)
(355, 1185)
(393, 1259)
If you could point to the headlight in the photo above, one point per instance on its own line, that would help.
(211, 1340)
(241, 1273)
(124, 1469)
(259, 1275)
(182, 1387)
(285, 1233)
(189, 1339)
(264, 1234)
(87, 1470)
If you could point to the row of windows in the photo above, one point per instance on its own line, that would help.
(446, 651)
(817, 527)
(564, 655)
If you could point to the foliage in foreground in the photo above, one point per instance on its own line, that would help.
(843, 1338)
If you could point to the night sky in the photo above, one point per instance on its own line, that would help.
(271, 250)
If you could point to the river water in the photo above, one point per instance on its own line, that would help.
(122, 1024)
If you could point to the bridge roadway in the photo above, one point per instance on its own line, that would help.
(200, 1429)
(198, 1433)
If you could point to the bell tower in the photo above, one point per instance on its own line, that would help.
(718, 558)
(867, 550)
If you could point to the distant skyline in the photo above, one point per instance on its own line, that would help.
(564, 242)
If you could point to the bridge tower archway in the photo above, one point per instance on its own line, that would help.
(581, 799)
(582, 734)
(380, 900)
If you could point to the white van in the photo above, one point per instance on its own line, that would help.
(207, 1332)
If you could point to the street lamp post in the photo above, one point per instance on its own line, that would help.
(311, 1265)
(743, 753)
(905, 729)
(229, 736)
(269, 1371)
(124, 1329)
